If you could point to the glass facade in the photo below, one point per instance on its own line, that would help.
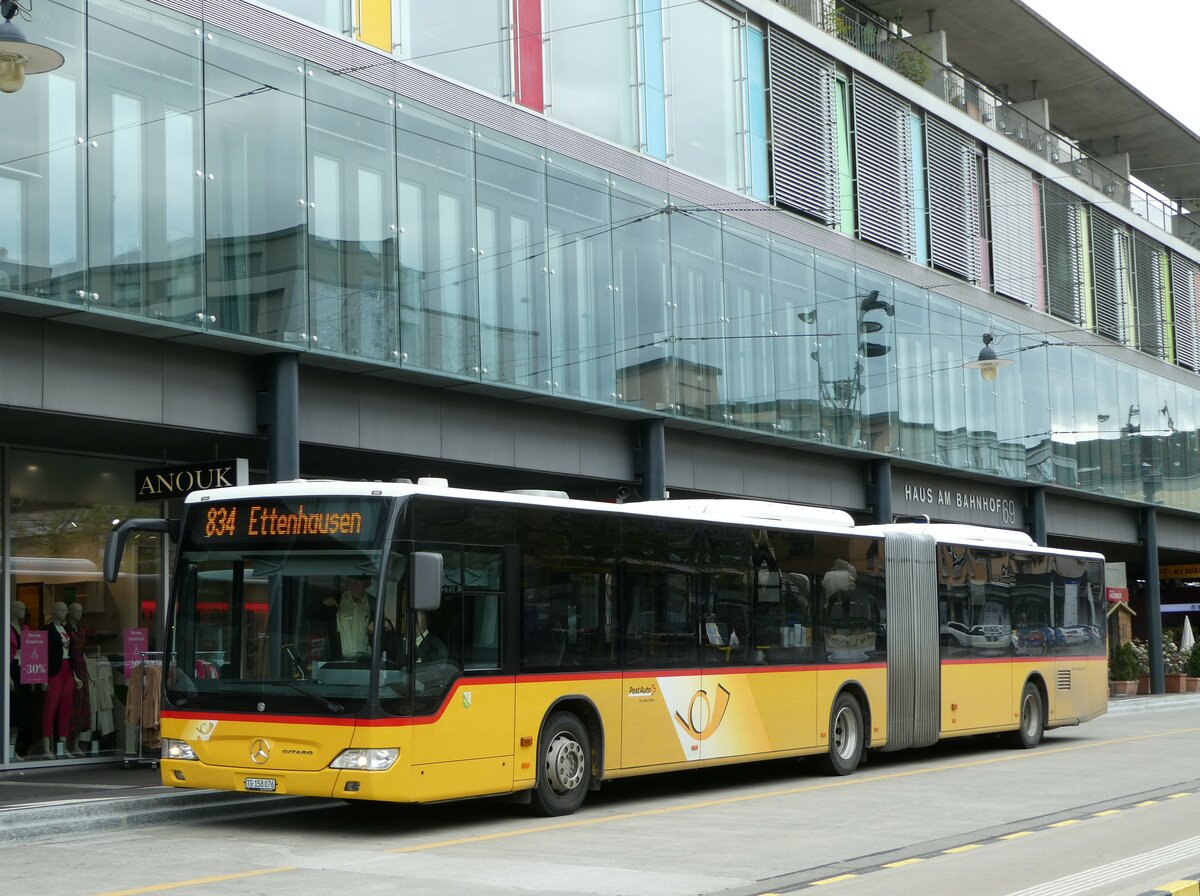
(89, 633)
(250, 194)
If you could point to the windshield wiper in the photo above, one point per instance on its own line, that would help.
(327, 704)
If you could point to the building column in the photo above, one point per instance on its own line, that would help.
(650, 459)
(1035, 514)
(1153, 608)
(279, 414)
(879, 491)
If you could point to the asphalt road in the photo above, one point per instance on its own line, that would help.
(1112, 807)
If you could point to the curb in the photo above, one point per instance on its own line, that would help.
(1147, 703)
(1177, 888)
(122, 813)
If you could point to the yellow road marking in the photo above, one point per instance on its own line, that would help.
(965, 848)
(1105, 812)
(902, 863)
(1146, 803)
(850, 781)
(1014, 835)
(1178, 796)
(1063, 824)
(196, 882)
(832, 880)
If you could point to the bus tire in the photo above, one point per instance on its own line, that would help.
(846, 735)
(564, 765)
(1032, 721)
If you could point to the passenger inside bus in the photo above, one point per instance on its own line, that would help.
(350, 618)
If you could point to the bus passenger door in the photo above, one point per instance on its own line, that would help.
(462, 741)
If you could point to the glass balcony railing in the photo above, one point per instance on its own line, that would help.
(881, 41)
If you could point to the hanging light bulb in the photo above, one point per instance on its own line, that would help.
(18, 56)
(988, 362)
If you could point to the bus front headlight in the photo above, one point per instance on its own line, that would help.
(366, 760)
(177, 749)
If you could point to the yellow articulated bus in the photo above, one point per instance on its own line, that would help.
(418, 643)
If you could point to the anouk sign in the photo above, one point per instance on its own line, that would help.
(956, 502)
(164, 483)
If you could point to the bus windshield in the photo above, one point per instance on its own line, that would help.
(275, 606)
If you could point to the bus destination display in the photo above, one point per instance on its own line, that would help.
(236, 523)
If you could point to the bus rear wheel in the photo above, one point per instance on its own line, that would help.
(1032, 722)
(564, 765)
(845, 735)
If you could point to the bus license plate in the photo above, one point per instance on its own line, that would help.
(266, 785)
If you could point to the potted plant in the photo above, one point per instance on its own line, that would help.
(1141, 652)
(1123, 672)
(1193, 669)
(1174, 674)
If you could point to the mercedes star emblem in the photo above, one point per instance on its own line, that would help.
(260, 751)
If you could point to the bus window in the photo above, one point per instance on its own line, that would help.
(566, 589)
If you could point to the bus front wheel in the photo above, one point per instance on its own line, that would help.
(1032, 722)
(845, 735)
(564, 765)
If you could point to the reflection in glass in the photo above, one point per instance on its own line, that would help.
(581, 281)
(352, 222)
(436, 199)
(641, 257)
(793, 303)
(751, 343)
(697, 317)
(43, 242)
(145, 198)
(256, 205)
(875, 315)
(914, 373)
(513, 314)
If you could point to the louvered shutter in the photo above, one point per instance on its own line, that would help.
(1110, 275)
(1185, 290)
(1062, 237)
(1149, 296)
(952, 161)
(1011, 202)
(803, 127)
(883, 167)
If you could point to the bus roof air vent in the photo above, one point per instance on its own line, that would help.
(433, 482)
(538, 493)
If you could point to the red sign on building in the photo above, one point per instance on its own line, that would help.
(1116, 595)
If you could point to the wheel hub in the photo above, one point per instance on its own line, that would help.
(565, 764)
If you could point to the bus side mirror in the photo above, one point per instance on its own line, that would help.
(426, 580)
(115, 547)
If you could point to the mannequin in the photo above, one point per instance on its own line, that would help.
(16, 691)
(56, 711)
(81, 706)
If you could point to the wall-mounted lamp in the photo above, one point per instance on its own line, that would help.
(988, 362)
(19, 57)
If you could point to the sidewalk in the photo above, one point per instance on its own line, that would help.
(59, 800)
(94, 797)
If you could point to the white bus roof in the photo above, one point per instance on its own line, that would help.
(726, 510)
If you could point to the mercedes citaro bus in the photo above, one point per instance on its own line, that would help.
(530, 643)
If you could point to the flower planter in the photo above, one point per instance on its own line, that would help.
(1193, 684)
(1143, 685)
(1175, 682)
(1123, 688)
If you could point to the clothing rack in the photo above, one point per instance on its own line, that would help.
(142, 710)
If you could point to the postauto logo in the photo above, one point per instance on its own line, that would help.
(703, 719)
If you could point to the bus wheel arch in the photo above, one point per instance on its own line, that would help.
(1032, 714)
(569, 756)
(849, 724)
